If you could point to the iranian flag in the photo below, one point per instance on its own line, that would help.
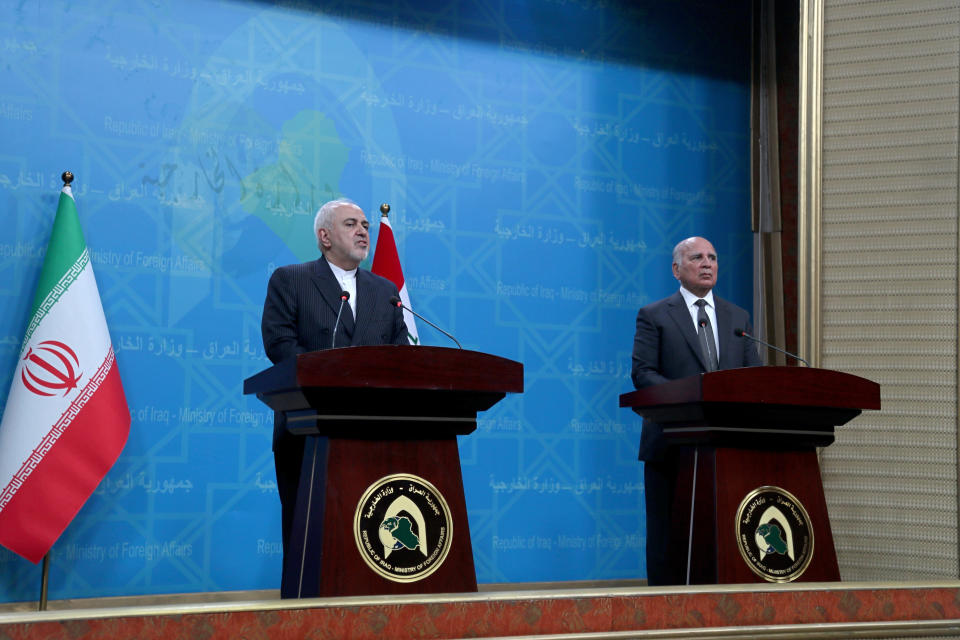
(66, 418)
(386, 263)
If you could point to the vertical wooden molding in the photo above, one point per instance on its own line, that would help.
(809, 208)
(956, 367)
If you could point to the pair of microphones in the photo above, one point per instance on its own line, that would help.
(396, 302)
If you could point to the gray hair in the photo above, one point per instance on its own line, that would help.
(322, 219)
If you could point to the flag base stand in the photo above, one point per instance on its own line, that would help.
(44, 579)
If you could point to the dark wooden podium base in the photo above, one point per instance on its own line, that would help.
(737, 430)
(369, 413)
(724, 477)
(335, 474)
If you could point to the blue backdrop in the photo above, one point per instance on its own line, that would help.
(542, 157)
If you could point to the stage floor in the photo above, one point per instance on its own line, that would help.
(565, 610)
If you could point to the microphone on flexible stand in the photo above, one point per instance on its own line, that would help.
(397, 302)
(740, 333)
(344, 296)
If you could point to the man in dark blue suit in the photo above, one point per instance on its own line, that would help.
(300, 315)
(666, 347)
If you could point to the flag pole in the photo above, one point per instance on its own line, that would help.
(44, 579)
(67, 178)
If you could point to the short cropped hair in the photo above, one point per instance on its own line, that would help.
(322, 219)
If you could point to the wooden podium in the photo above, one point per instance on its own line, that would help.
(380, 506)
(752, 472)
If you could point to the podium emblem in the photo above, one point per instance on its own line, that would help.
(402, 527)
(774, 534)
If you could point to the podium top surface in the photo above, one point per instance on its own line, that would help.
(392, 367)
(782, 386)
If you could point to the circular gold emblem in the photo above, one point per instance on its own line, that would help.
(402, 527)
(774, 534)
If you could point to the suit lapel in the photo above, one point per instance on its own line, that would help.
(365, 302)
(681, 316)
(724, 331)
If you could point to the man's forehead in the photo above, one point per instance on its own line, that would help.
(698, 248)
(346, 211)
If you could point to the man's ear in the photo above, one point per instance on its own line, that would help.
(676, 271)
(323, 238)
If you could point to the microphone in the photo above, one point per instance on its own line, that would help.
(740, 333)
(397, 302)
(344, 296)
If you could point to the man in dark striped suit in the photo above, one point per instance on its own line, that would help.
(300, 315)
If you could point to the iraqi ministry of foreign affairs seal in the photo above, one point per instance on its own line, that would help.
(774, 534)
(403, 527)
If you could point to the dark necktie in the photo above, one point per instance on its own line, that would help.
(705, 332)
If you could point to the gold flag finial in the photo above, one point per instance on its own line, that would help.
(67, 178)
(384, 209)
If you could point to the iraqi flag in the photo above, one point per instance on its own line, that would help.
(66, 419)
(386, 263)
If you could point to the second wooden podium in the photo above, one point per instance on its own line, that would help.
(380, 506)
(749, 503)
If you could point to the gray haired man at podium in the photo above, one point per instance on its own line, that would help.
(688, 333)
(301, 311)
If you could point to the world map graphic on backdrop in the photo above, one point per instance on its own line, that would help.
(541, 159)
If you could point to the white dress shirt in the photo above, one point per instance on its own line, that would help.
(348, 281)
(691, 301)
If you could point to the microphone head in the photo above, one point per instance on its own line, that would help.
(395, 301)
(344, 295)
(738, 332)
